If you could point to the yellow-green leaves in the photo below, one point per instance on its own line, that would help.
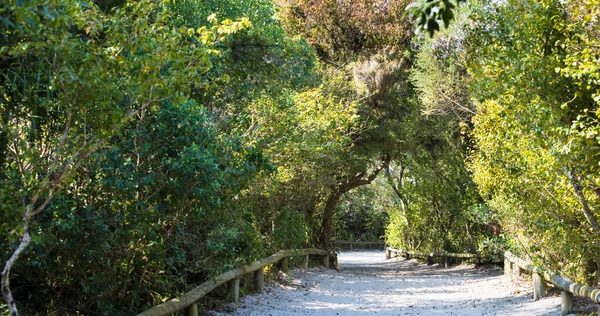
(221, 30)
(228, 27)
(534, 67)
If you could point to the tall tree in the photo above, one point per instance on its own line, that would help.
(367, 40)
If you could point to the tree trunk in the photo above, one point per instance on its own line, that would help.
(587, 212)
(337, 192)
(404, 203)
(327, 224)
(570, 172)
(5, 283)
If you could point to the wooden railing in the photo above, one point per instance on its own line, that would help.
(188, 300)
(353, 244)
(431, 255)
(514, 265)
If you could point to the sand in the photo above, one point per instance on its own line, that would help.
(368, 284)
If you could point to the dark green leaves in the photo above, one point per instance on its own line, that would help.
(429, 13)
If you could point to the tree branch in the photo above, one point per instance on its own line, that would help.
(587, 212)
(570, 172)
(334, 198)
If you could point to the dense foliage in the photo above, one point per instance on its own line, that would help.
(535, 83)
(115, 175)
(146, 146)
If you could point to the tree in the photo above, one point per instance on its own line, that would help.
(71, 79)
(434, 193)
(532, 158)
(341, 30)
(440, 72)
(367, 41)
(362, 214)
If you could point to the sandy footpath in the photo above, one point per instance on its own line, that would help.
(369, 284)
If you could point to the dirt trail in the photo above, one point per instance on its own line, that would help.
(370, 284)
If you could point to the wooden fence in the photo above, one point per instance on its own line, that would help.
(516, 266)
(430, 256)
(188, 300)
(512, 266)
(359, 244)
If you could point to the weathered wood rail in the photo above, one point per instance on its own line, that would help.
(431, 255)
(188, 300)
(352, 244)
(515, 266)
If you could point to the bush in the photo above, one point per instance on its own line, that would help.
(289, 231)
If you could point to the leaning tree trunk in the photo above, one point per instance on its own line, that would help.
(327, 224)
(5, 275)
(577, 188)
(337, 192)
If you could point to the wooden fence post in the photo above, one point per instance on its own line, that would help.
(259, 280)
(305, 262)
(326, 261)
(445, 261)
(283, 265)
(230, 281)
(388, 253)
(430, 259)
(234, 290)
(192, 310)
(516, 270)
(566, 303)
(507, 267)
(539, 285)
(335, 262)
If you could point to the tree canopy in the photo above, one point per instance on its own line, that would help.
(146, 146)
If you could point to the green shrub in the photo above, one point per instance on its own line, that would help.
(289, 231)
